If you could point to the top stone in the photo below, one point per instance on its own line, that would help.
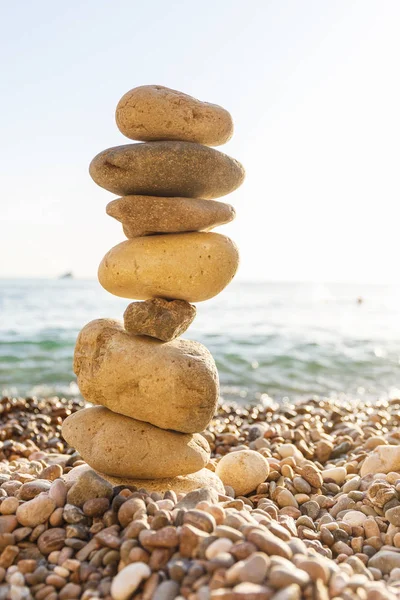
(153, 113)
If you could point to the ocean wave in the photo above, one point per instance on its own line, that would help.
(274, 339)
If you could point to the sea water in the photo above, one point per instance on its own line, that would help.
(277, 339)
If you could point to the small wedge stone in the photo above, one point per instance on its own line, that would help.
(162, 319)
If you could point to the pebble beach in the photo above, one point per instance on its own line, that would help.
(324, 524)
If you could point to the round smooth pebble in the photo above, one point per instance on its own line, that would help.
(337, 474)
(354, 518)
(128, 580)
(243, 470)
(36, 511)
(220, 545)
(255, 568)
(286, 450)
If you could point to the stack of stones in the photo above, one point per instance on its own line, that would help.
(155, 392)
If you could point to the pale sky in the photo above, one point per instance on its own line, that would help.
(314, 90)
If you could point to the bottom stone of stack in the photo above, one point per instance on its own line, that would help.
(123, 447)
(181, 484)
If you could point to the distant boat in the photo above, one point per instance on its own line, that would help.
(67, 275)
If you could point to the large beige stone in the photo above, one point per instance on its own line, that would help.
(155, 112)
(383, 460)
(146, 215)
(124, 447)
(180, 169)
(243, 470)
(159, 318)
(183, 266)
(172, 385)
(180, 484)
(385, 561)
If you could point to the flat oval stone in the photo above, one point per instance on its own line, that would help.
(172, 385)
(181, 169)
(155, 112)
(182, 266)
(180, 484)
(147, 215)
(119, 446)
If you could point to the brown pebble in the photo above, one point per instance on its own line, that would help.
(189, 539)
(8, 523)
(95, 507)
(50, 540)
(128, 510)
(45, 592)
(52, 472)
(55, 580)
(36, 511)
(315, 568)
(26, 566)
(70, 591)
(242, 550)
(9, 506)
(159, 558)
(149, 215)
(269, 543)
(280, 577)
(139, 555)
(56, 518)
(184, 169)
(8, 556)
(163, 538)
(200, 520)
(33, 488)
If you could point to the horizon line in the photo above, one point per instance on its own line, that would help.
(237, 280)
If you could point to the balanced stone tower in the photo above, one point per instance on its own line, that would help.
(154, 392)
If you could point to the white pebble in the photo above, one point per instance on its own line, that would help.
(338, 474)
(220, 545)
(354, 518)
(18, 592)
(232, 574)
(165, 504)
(128, 580)
(16, 578)
(10, 571)
(243, 470)
(352, 484)
(286, 450)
